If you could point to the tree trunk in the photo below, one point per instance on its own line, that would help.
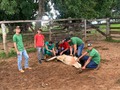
(40, 14)
(4, 35)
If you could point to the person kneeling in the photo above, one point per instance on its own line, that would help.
(92, 61)
(64, 48)
(49, 49)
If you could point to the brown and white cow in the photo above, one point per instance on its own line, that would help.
(68, 60)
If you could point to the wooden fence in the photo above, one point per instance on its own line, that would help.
(75, 27)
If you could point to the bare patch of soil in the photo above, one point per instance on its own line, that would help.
(55, 75)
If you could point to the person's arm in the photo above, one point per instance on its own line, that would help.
(75, 49)
(35, 41)
(82, 55)
(16, 49)
(70, 50)
(63, 51)
(47, 48)
(43, 40)
(54, 53)
(86, 63)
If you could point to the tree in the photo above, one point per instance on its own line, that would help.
(116, 9)
(18, 10)
(83, 8)
(44, 7)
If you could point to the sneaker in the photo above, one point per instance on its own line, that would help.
(22, 71)
(40, 61)
(43, 59)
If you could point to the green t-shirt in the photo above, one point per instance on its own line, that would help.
(50, 47)
(95, 55)
(19, 42)
(76, 40)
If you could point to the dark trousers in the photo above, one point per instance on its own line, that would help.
(91, 64)
(66, 52)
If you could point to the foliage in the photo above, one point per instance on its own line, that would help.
(8, 6)
(12, 53)
(84, 8)
(112, 40)
(3, 55)
(31, 50)
(116, 8)
(18, 9)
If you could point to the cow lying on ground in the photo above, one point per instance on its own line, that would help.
(69, 60)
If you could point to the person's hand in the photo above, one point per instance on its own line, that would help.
(83, 67)
(77, 60)
(18, 53)
(50, 50)
(74, 55)
(34, 46)
(61, 53)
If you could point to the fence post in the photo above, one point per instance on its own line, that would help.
(50, 36)
(108, 28)
(85, 27)
(4, 35)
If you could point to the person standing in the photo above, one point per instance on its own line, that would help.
(21, 51)
(39, 44)
(76, 44)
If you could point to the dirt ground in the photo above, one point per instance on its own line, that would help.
(55, 75)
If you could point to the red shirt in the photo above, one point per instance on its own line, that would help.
(65, 45)
(39, 38)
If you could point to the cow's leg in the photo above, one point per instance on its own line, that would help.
(51, 58)
(78, 66)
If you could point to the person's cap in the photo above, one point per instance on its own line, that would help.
(89, 45)
(17, 27)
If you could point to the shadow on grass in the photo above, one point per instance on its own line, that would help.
(105, 48)
(104, 60)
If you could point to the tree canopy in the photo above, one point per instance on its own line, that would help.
(18, 9)
(84, 8)
(29, 9)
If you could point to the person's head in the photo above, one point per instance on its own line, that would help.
(62, 41)
(39, 30)
(67, 39)
(50, 43)
(17, 29)
(89, 46)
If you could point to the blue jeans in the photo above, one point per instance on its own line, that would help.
(40, 51)
(91, 64)
(24, 53)
(80, 48)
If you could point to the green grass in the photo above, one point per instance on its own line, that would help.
(112, 40)
(12, 53)
(115, 25)
(3, 55)
(31, 50)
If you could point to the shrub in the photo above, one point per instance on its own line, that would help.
(3, 55)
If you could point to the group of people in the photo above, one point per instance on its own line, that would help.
(70, 46)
